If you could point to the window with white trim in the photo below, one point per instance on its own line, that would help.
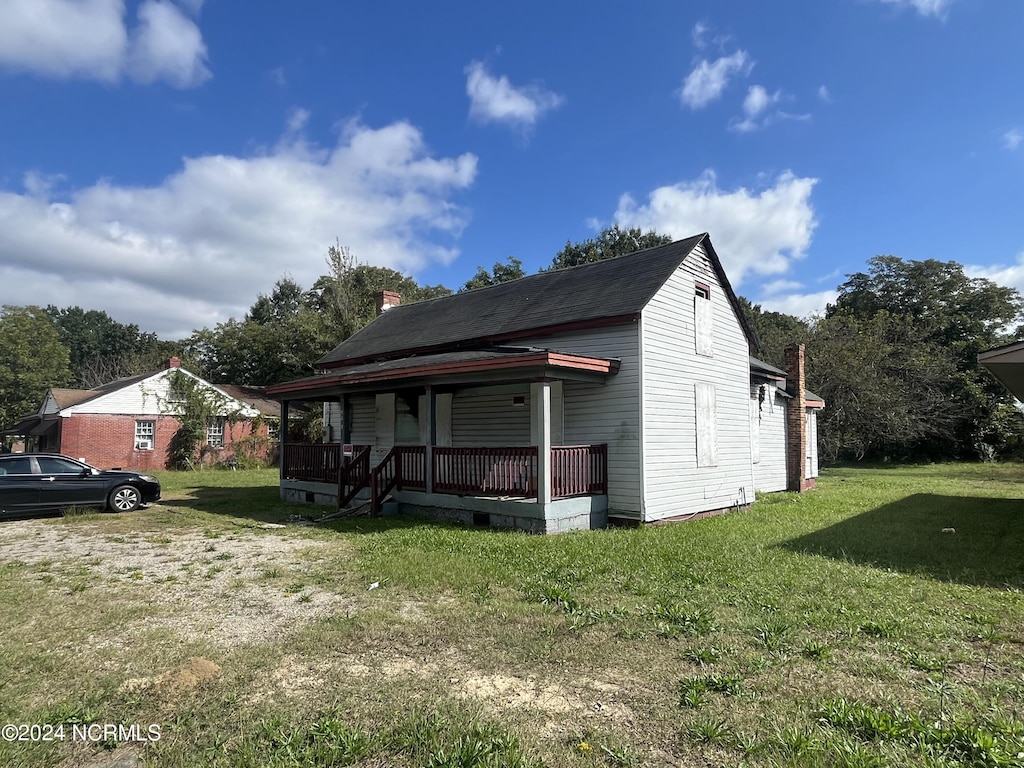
(145, 435)
(215, 434)
(703, 320)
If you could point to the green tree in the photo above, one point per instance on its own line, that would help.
(775, 331)
(935, 319)
(102, 349)
(612, 242)
(285, 332)
(502, 273)
(32, 359)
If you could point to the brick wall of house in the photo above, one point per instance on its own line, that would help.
(108, 441)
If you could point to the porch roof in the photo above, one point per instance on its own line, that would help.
(1006, 363)
(497, 364)
(31, 425)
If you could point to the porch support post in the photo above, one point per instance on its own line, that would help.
(282, 433)
(540, 399)
(431, 437)
(346, 420)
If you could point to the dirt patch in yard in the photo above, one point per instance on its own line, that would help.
(232, 589)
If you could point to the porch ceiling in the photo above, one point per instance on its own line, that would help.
(498, 365)
(1006, 363)
(31, 425)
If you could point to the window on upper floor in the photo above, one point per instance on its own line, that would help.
(703, 320)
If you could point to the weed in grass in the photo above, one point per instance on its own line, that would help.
(674, 620)
(305, 597)
(482, 593)
(773, 634)
(703, 656)
(795, 742)
(294, 588)
(693, 690)
(160, 539)
(815, 650)
(709, 730)
(212, 572)
(747, 743)
(271, 573)
(886, 629)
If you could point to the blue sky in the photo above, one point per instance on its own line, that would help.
(168, 160)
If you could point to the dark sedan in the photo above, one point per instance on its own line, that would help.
(32, 482)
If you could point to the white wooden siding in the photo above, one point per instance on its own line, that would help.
(606, 412)
(770, 415)
(333, 427)
(486, 416)
(673, 484)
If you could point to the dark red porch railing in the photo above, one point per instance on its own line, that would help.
(318, 462)
(576, 470)
(579, 470)
(486, 471)
(354, 475)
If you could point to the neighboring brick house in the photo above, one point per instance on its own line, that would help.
(129, 423)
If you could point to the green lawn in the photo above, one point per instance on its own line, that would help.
(876, 621)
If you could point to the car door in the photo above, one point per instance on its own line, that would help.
(66, 483)
(19, 485)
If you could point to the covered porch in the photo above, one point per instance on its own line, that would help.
(476, 437)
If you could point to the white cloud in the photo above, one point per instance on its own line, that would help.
(1013, 138)
(824, 95)
(167, 46)
(1011, 275)
(201, 245)
(778, 286)
(799, 304)
(89, 39)
(495, 99)
(700, 30)
(754, 105)
(708, 79)
(938, 8)
(758, 232)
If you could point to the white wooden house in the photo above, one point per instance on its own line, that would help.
(617, 389)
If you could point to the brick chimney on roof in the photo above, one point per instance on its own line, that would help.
(172, 362)
(386, 300)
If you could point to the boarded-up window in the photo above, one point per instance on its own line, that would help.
(707, 433)
(703, 321)
(384, 434)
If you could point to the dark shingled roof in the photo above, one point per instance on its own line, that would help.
(608, 289)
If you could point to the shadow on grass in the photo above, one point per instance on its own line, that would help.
(263, 504)
(986, 549)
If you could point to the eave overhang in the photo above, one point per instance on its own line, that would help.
(450, 370)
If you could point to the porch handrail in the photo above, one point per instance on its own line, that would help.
(579, 470)
(384, 477)
(509, 471)
(311, 461)
(354, 475)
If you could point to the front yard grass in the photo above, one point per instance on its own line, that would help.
(877, 621)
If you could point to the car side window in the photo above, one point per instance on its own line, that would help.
(17, 466)
(50, 465)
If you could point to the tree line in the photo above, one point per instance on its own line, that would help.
(894, 357)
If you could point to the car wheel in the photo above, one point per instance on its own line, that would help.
(124, 498)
